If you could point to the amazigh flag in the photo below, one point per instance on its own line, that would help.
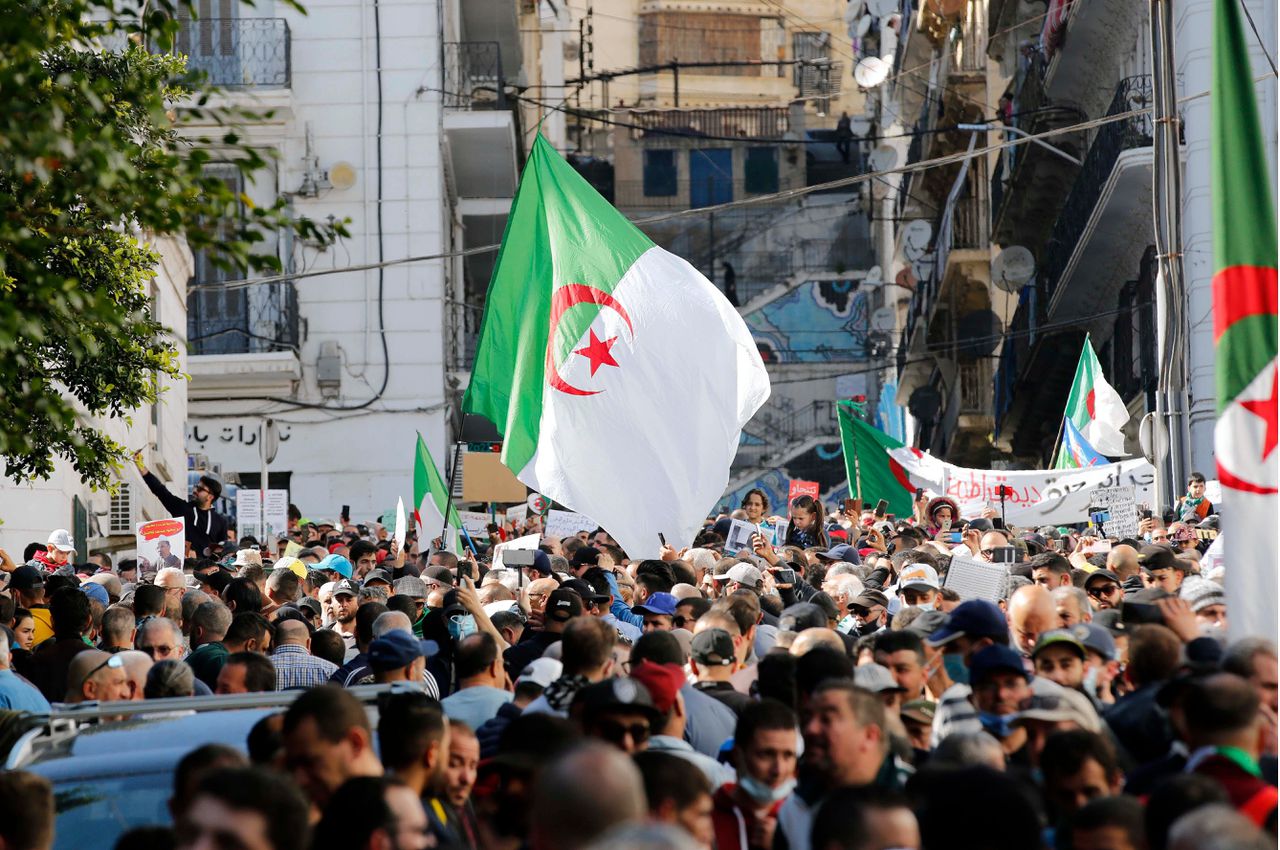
(619, 376)
(1095, 407)
(1075, 451)
(1244, 332)
(430, 496)
(874, 473)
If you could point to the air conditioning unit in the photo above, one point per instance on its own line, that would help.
(120, 516)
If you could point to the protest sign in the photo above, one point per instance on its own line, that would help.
(161, 543)
(801, 488)
(739, 538)
(562, 524)
(476, 523)
(1121, 509)
(517, 514)
(401, 527)
(260, 519)
(974, 579)
(529, 541)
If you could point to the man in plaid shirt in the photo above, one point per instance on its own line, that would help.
(296, 667)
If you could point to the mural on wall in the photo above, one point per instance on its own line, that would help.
(819, 321)
(823, 463)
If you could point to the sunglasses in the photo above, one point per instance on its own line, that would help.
(115, 662)
(615, 733)
(1104, 589)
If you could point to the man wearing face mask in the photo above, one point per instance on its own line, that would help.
(918, 585)
(1000, 687)
(972, 626)
(745, 814)
(870, 613)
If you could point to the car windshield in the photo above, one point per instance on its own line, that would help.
(94, 812)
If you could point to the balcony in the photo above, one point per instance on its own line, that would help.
(237, 53)
(677, 127)
(480, 127)
(1090, 29)
(1092, 250)
(224, 325)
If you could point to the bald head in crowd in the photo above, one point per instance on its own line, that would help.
(292, 633)
(1031, 614)
(584, 793)
(1123, 561)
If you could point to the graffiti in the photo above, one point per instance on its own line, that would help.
(819, 321)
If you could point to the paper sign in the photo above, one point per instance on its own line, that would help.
(974, 579)
(292, 548)
(562, 524)
(476, 523)
(1120, 503)
(529, 541)
(801, 488)
(401, 527)
(1213, 492)
(739, 538)
(254, 518)
(1213, 556)
(517, 514)
(161, 543)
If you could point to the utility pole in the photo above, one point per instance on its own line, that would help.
(1172, 402)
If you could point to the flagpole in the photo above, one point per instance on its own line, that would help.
(448, 505)
(1053, 457)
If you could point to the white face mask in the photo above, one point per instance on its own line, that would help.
(763, 794)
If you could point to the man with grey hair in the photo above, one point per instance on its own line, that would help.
(582, 795)
(209, 626)
(969, 749)
(1073, 606)
(159, 638)
(117, 630)
(1217, 826)
(168, 679)
(191, 600)
(174, 582)
(136, 666)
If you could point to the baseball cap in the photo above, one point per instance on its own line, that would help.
(918, 575)
(1097, 639)
(974, 618)
(1201, 593)
(26, 577)
(587, 556)
(995, 658)
(981, 524)
(745, 574)
(800, 616)
(927, 623)
(311, 604)
(1103, 573)
(843, 552)
(563, 605)
(335, 563)
(663, 681)
(920, 710)
(875, 678)
(96, 592)
(610, 694)
(713, 648)
(1049, 532)
(1160, 558)
(60, 539)
(543, 671)
(542, 562)
(398, 649)
(293, 565)
(657, 603)
(1111, 620)
(870, 599)
(346, 586)
(410, 586)
(1066, 705)
(378, 575)
(1065, 637)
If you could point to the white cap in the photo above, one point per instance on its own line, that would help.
(918, 575)
(60, 539)
(492, 608)
(745, 574)
(544, 671)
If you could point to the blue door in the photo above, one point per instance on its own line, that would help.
(710, 176)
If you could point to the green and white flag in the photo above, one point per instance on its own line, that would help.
(430, 496)
(618, 375)
(1095, 408)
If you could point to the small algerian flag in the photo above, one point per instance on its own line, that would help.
(430, 495)
(1244, 332)
(1075, 451)
(619, 376)
(1095, 407)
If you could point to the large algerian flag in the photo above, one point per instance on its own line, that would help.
(1095, 407)
(430, 496)
(1244, 331)
(1075, 451)
(619, 376)
(874, 463)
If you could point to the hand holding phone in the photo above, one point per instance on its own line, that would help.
(881, 507)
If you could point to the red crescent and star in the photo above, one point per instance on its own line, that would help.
(597, 351)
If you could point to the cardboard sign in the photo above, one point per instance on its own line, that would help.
(562, 524)
(801, 488)
(1122, 507)
(161, 543)
(974, 579)
(485, 479)
(528, 542)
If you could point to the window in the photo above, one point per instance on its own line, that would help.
(660, 174)
(761, 171)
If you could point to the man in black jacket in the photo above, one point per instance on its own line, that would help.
(205, 526)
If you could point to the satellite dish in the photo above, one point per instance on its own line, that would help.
(863, 26)
(884, 319)
(883, 158)
(882, 8)
(916, 235)
(978, 333)
(870, 72)
(1013, 268)
(874, 275)
(342, 175)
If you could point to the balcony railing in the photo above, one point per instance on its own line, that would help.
(1112, 140)
(975, 387)
(464, 333)
(674, 125)
(237, 52)
(970, 224)
(247, 320)
(1028, 99)
(969, 51)
(473, 76)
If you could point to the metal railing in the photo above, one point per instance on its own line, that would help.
(463, 335)
(473, 76)
(635, 195)
(259, 318)
(971, 223)
(975, 387)
(969, 51)
(1111, 140)
(237, 52)
(1028, 98)
(747, 122)
(780, 428)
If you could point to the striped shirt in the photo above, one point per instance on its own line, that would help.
(297, 668)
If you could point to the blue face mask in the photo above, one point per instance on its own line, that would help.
(1091, 681)
(999, 725)
(953, 663)
(461, 625)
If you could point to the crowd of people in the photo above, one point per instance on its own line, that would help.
(832, 690)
